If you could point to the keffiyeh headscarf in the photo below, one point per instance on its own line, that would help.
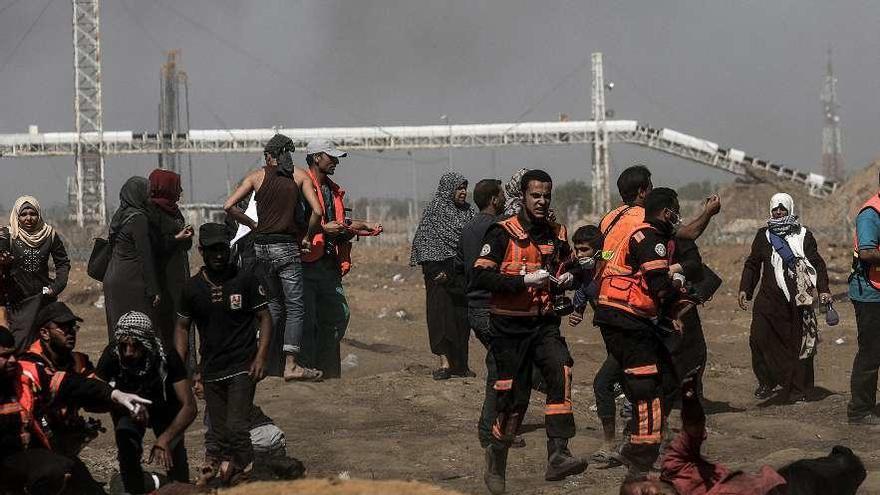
(138, 327)
(438, 233)
(41, 233)
(788, 224)
(513, 191)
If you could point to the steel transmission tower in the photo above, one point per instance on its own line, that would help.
(89, 186)
(832, 147)
(601, 165)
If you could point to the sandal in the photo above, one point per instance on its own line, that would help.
(308, 375)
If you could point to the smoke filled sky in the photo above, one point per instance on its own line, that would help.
(745, 74)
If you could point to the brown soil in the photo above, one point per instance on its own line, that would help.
(386, 419)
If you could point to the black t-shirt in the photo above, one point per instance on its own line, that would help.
(148, 386)
(225, 316)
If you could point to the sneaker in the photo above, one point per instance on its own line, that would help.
(867, 420)
(763, 392)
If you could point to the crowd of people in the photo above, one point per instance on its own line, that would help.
(268, 300)
(502, 270)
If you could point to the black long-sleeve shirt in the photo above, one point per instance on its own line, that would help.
(29, 272)
(468, 251)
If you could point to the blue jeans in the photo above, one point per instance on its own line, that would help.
(284, 268)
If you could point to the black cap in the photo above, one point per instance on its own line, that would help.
(56, 312)
(279, 144)
(211, 234)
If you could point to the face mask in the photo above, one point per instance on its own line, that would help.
(587, 263)
(676, 223)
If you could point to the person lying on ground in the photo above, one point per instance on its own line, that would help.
(686, 471)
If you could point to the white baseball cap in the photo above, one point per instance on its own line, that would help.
(324, 146)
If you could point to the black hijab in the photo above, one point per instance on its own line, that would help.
(133, 198)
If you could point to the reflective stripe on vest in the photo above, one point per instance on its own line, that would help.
(870, 272)
(524, 256)
(624, 287)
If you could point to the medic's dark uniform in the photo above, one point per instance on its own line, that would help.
(635, 291)
(524, 328)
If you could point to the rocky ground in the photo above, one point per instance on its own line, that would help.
(387, 419)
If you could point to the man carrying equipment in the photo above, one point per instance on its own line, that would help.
(636, 296)
(517, 262)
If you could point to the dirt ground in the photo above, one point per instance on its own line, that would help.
(387, 419)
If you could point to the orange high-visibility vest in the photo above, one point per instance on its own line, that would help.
(523, 256)
(871, 272)
(343, 249)
(624, 219)
(624, 287)
(27, 388)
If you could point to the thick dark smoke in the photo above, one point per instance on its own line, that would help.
(746, 74)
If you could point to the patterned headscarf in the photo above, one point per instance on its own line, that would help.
(138, 327)
(43, 230)
(437, 237)
(513, 191)
(788, 224)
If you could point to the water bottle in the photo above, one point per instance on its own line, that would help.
(831, 316)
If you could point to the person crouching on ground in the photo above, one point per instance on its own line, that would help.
(136, 362)
(518, 257)
(225, 303)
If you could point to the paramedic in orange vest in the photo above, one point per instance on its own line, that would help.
(864, 291)
(326, 309)
(27, 463)
(516, 264)
(56, 329)
(635, 294)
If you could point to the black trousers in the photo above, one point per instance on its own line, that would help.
(479, 321)
(40, 471)
(229, 403)
(863, 382)
(603, 387)
(640, 353)
(515, 355)
(130, 448)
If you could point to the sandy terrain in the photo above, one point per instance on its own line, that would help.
(387, 419)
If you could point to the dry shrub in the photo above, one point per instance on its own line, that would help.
(337, 487)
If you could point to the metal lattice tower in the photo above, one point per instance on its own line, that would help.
(832, 147)
(90, 188)
(174, 114)
(601, 162)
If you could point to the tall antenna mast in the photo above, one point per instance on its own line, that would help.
(832, 146)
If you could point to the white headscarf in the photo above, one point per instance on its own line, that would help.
(43, 230)
(783, 199)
